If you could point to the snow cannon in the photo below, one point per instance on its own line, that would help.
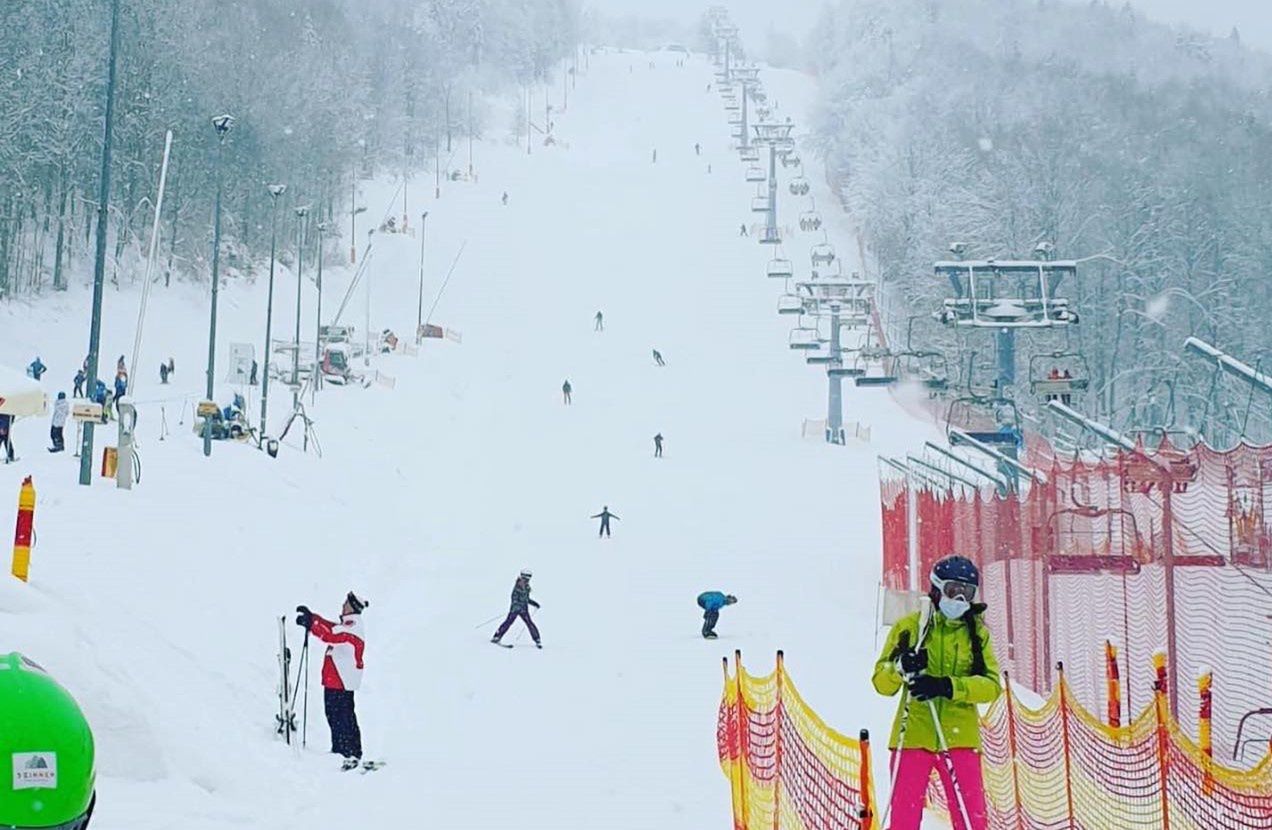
(22, 533)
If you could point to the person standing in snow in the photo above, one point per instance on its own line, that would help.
(519, 608)
(658, 358)
(711, 602)
(163, 373)
(37, 368)
(697, 149)
(504, 198)
(341, 673)
(78, 390)
(658, 439)
(600, 322)
(121, 385)
(61, 410)
(943, 667)
(6, 442)
(742, 231)
(566, 389)
(605, 515)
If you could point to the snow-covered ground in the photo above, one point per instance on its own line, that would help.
(157, 607)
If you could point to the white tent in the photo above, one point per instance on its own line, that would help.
(20, 396)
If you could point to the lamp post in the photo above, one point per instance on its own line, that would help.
(354, 210)
(222, 124)
(419, 313)
(99, 263)
(301, 213)
(323, 227)
(275, 190)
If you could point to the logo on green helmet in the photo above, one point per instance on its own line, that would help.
(34, 770)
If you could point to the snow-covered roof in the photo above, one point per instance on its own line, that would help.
(20, 396)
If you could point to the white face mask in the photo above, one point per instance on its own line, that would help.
(954, 608)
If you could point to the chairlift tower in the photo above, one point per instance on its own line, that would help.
(748, 78)
(776, 136)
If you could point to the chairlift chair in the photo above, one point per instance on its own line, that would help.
(804, 338)
(791, 159)
(823, 253)
(755, 173)
(759, 204)
(799, 186)
(750, 154)
(780, 269)
(790, 304)
(771, 236)
(810, 220)
(1058, 376)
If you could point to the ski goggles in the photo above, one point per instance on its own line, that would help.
(954, 589)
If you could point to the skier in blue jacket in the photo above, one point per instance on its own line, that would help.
(711, 602)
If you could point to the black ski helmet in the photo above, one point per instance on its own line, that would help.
(956, 569)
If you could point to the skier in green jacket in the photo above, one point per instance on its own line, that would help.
(943, 665)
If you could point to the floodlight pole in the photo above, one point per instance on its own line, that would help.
(99, 262)
(316, 376)
(419, 312)
(835, 396)
(222, 124)
(301, 213)
(275, 190)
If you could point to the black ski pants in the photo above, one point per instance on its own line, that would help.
(605, 530)
(59, 442)
(346, 737)
(709, 620)
(513, 614)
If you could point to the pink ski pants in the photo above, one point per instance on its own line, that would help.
(914, 770)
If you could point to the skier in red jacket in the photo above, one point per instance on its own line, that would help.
(341, 673)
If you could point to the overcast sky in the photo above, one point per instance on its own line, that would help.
(1252, 17)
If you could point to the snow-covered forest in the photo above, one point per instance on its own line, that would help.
(1005, 123)
(321, 90)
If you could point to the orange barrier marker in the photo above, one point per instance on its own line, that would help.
(22, 533)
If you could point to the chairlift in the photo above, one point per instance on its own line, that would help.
(804, 338)
(810, 220)
(771, 236)
(929, 367)
(790, 304)
(823, 253)
(780, 269)
(1006, 294)
(755, 173)
(750, 154)
(1094, 522)
(763, 113)
(976, 413)
(759, 204)
(799, 186)
(791, 159)
(1058, 376)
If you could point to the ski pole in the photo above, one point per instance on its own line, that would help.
(949, 766)
(894, 763)
(489, 621)
(304, 715)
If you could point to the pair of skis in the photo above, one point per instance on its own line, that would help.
(285, 720)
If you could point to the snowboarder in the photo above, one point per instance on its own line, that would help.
(78, 390)
(711, 602)
(566, 389)
(658, 358)
(742, 230)
(341, 673)
(605, 515)
(943, 666)
(36, 369)
(599, 320)
(6, 441)
(48, 744)
(519, 607)
(252, 379)
(658, 439)
(61, 410)
(163, 373)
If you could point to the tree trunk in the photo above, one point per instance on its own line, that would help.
(59, 275)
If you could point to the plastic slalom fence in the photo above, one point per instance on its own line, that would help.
(787, 769)
(1060, 768)
(1156, 548)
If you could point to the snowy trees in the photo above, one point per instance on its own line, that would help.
(317, 86)
(1002, 124)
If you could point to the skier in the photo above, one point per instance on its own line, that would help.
(711, 602)
(60, 411)
(6, 442)
(121, 385)
(697, 149)
(658, 358)
(101, 395)
(163, 373)
(341, 673)
(48, 745)
(742, 231)
(605, 515)
(120, 368)
(566, 389)
(654, 159)
(172, 367)
(80, 377)
(943, 666)
(252, 378)
(37, 368)
(599, 319)
(504, 199)
(658, 439)
(519, 607)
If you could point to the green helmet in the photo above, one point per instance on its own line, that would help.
(46, 751)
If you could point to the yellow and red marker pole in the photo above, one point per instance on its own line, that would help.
(22, 533)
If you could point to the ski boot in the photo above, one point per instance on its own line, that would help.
(350, 763)
(708, 635)
(538, 644)
(495, 640)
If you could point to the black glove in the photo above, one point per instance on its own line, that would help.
(926, 687)
(305, 618)
(913, 662)
(535, 604)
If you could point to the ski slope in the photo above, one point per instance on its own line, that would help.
(157, 607)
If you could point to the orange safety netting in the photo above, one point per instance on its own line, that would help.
(1059, 766)
(1158, 548)
(787, 769)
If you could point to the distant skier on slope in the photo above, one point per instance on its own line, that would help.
(341, 673)
(943, 666)
(711, 602)
(599, 319)
(742, 231)
(519, 607)
(697, 149)
(566, 389)
(658, 439)
(605, 515)
(61, 410)
(6, 440)
(658, 358)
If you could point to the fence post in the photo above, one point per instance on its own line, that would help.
(1113, 677)
(744, 726)
(1161, 713)
(867, 803)
(778, 709)
(1168, 566)
(1011, 748)
(1068, 757)
(1205, 686)
(22, 531)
